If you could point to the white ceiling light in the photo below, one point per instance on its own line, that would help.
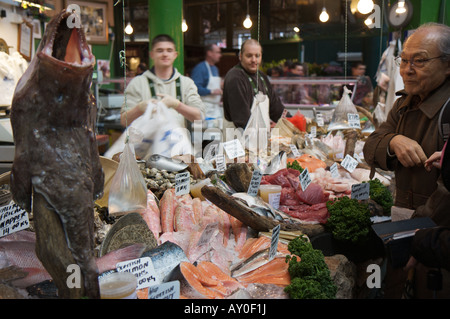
(296, 29)
(184, 26)
(128, 28)
(247, 22)
(365, 6)
(400, 7)
(324, 15)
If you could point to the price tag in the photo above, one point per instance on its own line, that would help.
(220, 163)
(274, 242)
(313, 131)
(334, 171)
(353, 120)
(361, 191)
(319, 119)
(182, 183)
(349, 163)
(167, 290)
(254, 183)
(274, 200)
(143, 269)
(210, 231)
(233, 149)
(305, 179)
(211, 152)
(294, 150)
(12, 219)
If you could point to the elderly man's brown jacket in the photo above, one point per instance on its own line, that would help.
(417, 120)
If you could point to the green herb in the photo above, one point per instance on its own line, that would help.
(381, 195)
(310, 277)
(349, 220)
(295, 165)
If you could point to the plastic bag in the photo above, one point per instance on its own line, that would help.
(161, 134)
(340, 116)
(128, 192)
(256, 132)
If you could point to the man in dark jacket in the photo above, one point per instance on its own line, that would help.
(410, 134)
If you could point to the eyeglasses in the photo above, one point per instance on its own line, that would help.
(417, 62)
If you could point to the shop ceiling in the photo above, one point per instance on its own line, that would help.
(276, 17)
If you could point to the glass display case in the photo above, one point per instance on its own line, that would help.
(312, 94)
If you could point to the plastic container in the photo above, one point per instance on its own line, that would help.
(118, 285)
(270, 194)
(196, 188)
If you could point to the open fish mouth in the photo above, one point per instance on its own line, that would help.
(67, 44)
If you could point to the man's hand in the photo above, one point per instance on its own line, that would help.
(169, 101)
(216, 92)
(433, 160)
(408, 151)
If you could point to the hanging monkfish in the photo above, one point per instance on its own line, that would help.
(53, 120)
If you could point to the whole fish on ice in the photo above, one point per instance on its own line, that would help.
(53, 115)
(164, 163)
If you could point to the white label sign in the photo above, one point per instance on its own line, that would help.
(361, 191)
(294, 150)
(167, 290)
(319, 119)
(313, 131)
(334, 171)
(274, 242)
(305, 179)
(353, 120)
(143, 269)
(233, 149)
(12, 219)
(182, 183)
(349, 163)
(254, 183)
(220, 163)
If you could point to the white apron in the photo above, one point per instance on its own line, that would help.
(211, 101)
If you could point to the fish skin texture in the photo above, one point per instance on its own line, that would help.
(53, 121)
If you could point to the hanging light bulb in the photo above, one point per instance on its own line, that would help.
(324, 15)
(184, 26)
(128, 28)
(365, 6)
(368, 21)
(400, 7)
(247, 22)
(296, 30)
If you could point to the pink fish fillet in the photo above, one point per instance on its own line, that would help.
(184, 218)
(167, 209)
(22, 254)
(152, 215)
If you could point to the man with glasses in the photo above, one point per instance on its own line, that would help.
(411, 132)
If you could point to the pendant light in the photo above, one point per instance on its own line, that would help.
(365, 6)
(324, 15)
(400, 7)
(184, 26)
(128, 28)
(247, 22)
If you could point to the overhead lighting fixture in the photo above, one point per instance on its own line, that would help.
(247, 22)
(128, 28)
(296, 30)
(324, 15)
(365, 6)
(368, 21)
(400, 7)
(184, 26)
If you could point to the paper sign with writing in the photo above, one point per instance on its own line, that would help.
(233, 149)
(294, 150)
(182, 183)
(361, 191)
(254, 183)
(143, 269)
(220, 163)
(305, 179)
(12, 219)
(313, 131)
(167, 290)
(334, 171)
(274, 241)
(212, 151)
(353, 120)
(319, 119)
(349, 163)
